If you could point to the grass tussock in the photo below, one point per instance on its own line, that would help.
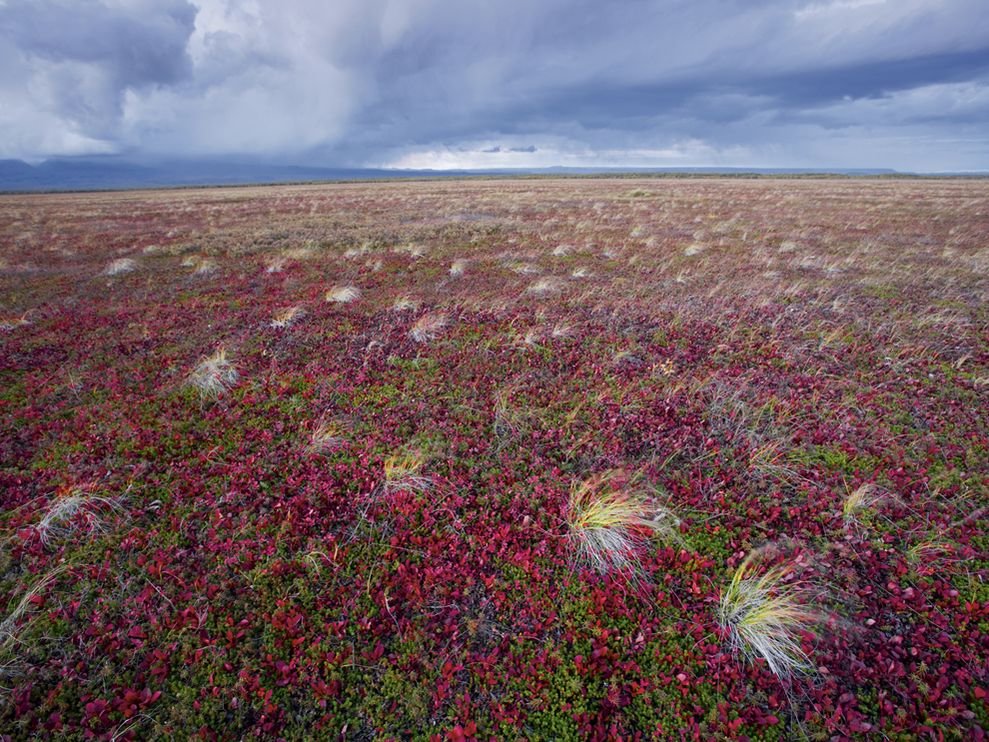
(213, 376)
(276, 264)
(545, 286)
(610, 519)
(285, 318)
(405, 304)
(15, 623)
(403, 470)
(765, 612)
(12, 323)
(769, 459)
(328, 436)
(205, 267)
(343, 294)
(562, 330)
(523, 268)
(861, 500)
(510, 418)
(412, 249)
(303, 252)
(200, 264)
(428, 327)
(120, 266)
(74, 511)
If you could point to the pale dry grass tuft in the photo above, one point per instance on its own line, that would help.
(765, 613)
(213, 376)
(403, 471)
(412, 249)
(532, 336)
(458, 268)
(74, 511)
(935, 555)
(769, 459)
(509, 418)
(428, 327)
(276, 264)
(561, 330)
(328, 436)
(343, 294)
(610, 520)
(119, 266)
(285, 318)
(13, 625)
(205, 267)
(545, 286)
(304, 252)
(405, 304)
(12, 323)
(863, 498)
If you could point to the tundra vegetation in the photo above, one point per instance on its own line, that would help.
(541, 459)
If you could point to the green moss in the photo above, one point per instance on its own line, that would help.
(424, 366)
(13, 389)
(882, 291)
(834, 459)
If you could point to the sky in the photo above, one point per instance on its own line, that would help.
(901, 84)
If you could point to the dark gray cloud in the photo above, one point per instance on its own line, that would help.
(71, 64)
(139, 43)
(461, 83)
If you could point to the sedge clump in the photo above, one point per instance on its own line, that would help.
(213, 376)
(765, 612)
(610, 519)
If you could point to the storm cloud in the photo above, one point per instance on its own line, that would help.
(517, 83)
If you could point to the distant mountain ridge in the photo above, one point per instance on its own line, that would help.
(71, 174)
(113, 173)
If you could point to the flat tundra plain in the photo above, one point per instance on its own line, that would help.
(518, 459)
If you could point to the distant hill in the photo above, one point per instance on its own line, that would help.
(112, 173)
(70, 174)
